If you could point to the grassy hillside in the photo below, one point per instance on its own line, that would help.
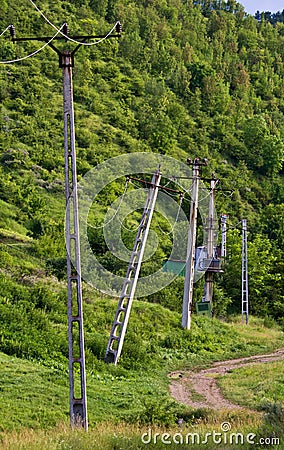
(124, 403)
(255, 387)
(185, 79)
(35, 391)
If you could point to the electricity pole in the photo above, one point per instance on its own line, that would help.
(245, 309)
(120, 323)
(78, 395)
(224, 218)
(78, 399)
(191, 244)
(210, 243)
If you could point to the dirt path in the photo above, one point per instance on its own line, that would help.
(200, 389)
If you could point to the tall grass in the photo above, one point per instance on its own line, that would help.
(108, 436)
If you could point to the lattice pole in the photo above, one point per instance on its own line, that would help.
(245, 294)
(78, 397)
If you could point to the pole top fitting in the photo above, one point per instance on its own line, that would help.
(197, 162)
(65, 29)
(12, 30)
(118, 27)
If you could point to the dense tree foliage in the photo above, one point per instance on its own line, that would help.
(271, 17)
(187, 78)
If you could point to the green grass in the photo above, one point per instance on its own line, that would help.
(34, 360)
(9, 220)
(255, 385)
(37, 396)
(31, 395)
(108, 436)
(35, 393)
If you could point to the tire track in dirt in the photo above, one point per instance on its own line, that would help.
(200, 389)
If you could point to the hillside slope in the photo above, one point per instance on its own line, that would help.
(185, 79)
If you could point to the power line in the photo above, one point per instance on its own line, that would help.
(31, 54)
(225, 190)
(206, 196)
(5, 30)
(176, 218)
(68, 37)
(116, 212)
(232, 227)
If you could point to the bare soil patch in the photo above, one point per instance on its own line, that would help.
(200, 389)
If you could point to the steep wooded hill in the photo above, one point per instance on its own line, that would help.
(185, 79)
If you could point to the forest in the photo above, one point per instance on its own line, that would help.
(271, 17)
(199, 79)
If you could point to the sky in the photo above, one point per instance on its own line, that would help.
(251, 6)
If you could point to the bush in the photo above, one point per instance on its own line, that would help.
(274, 418)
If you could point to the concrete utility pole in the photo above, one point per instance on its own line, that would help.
(210, 244)
(120, 323)
(78, 395)
(224, 218)
(191, 244)
(245, 298)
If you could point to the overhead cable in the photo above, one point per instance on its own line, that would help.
(33, 53)
(232, 228)
(176, 219)
(116, 212)
(68, 37)
(6, 29)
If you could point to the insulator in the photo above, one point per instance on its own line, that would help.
(12, 30)
(65, 29)
(118, 28)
